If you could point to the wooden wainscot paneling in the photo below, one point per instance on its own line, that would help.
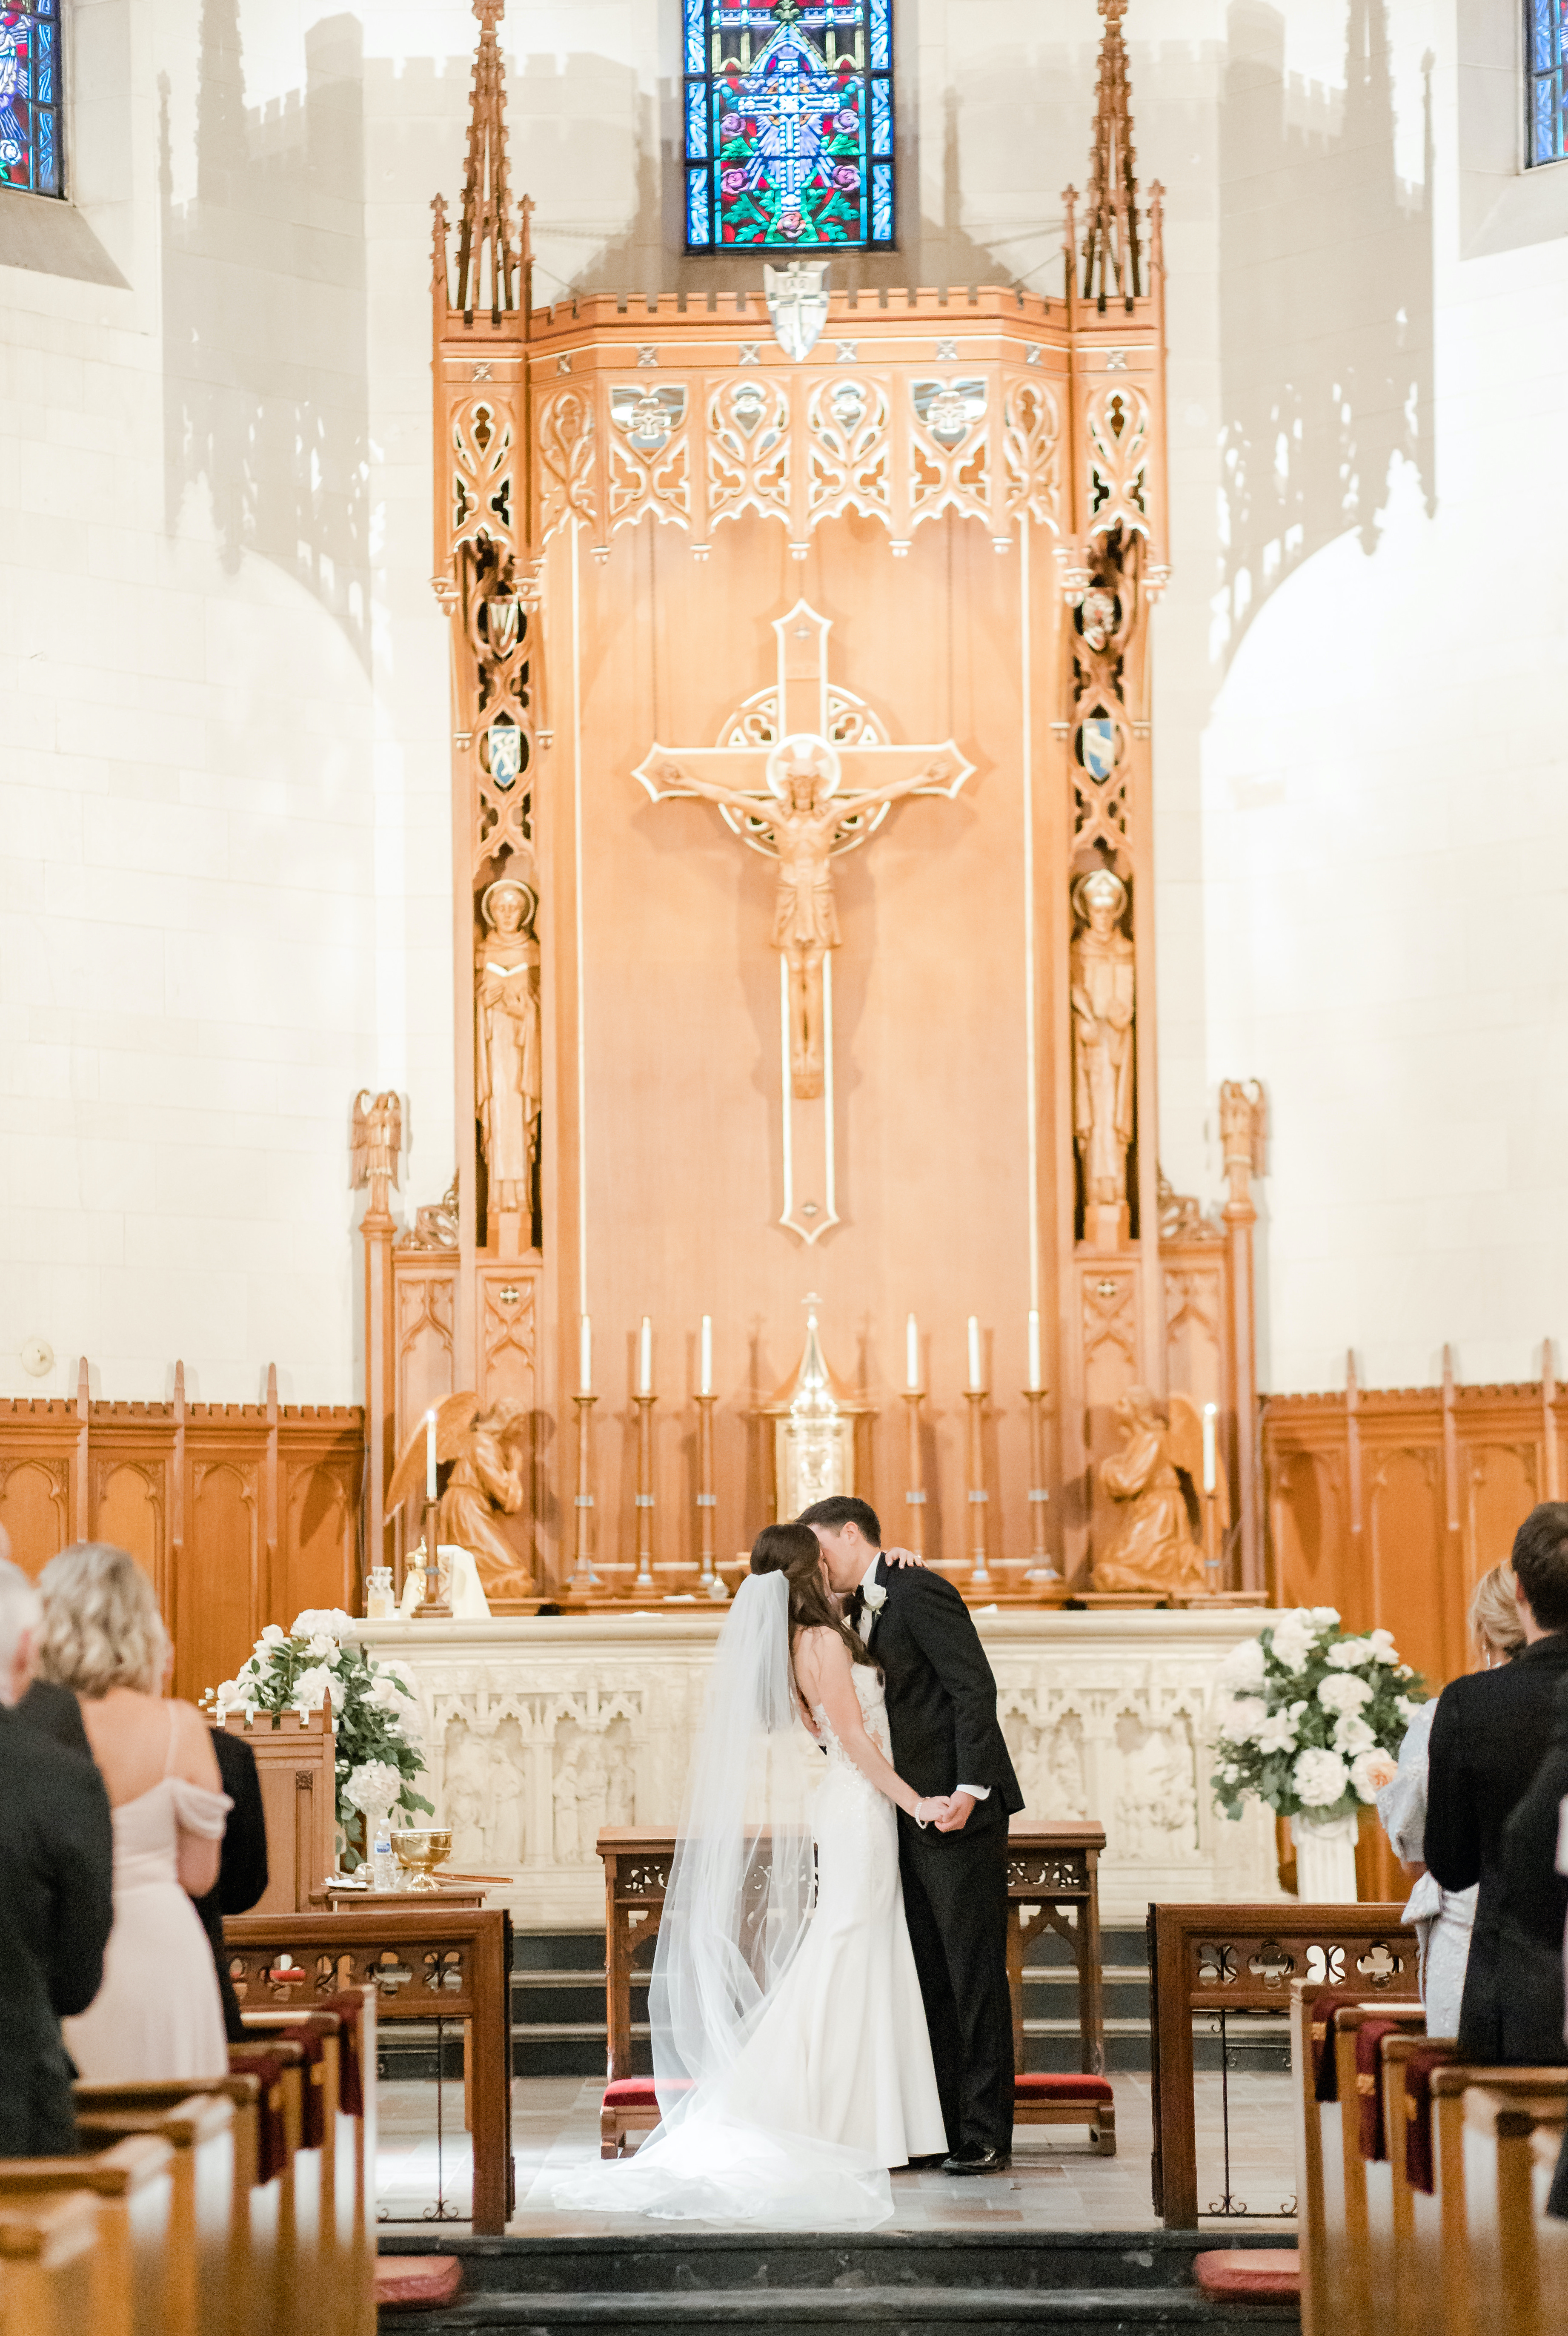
(1392, 1505)
(242, 1513)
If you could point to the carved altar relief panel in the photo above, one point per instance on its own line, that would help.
(1109, 1318)
(1156, 1805)
(35, 1510)
(507, 1336)
(485, 1795)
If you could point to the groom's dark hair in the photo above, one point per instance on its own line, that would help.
(842, 1509)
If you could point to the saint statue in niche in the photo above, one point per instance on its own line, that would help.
(807, 827)
(1157, 1550)
(506, 1080)
(1103, 998)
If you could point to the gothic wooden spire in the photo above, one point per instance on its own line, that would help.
(486, 224)
(1112, 260)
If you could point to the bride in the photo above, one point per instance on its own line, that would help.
(791, 2052)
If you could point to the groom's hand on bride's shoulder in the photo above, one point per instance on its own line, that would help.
(957, 1814)
(902, 1557)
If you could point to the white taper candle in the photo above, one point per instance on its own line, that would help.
(705, 1364)
(975, 1381)
(912, 1354)
(585, 1356)
(1211, 1414)
(1033, 1351)
(646, 1356)
(429, 1455)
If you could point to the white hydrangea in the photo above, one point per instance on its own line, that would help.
(373, 1787)
(1382, 1646)
(1370, 1771)
(273, 1637)
(1327, 1617)
(1320, 1778)
(314, 1686)
(1280, 1732)
(1244, 1716)
(325, 1623)
(1291, 1644)
(1406, 1709)
(1344, 1692)
(1242, 1668)
(1349, 1654)
(1230, 1774)
(1352, 1734)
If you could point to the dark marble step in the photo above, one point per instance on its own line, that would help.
(931, 2311)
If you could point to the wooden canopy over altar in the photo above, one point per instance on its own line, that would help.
(870, 1030)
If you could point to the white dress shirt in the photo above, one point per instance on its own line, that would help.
(867, 1622)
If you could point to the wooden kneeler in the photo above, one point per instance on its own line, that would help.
(132, 2187)
(46, 2265)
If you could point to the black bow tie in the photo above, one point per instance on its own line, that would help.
(856, 1608)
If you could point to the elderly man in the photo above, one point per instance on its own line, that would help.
(56, 1896)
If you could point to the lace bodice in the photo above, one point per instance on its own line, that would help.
(873, 1709)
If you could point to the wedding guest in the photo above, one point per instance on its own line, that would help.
(1489, 1736)
(1442, 1919)
(1534, 1909)
(159, 2013)
(56, 1865)
(242, 1872)
(53, 1711)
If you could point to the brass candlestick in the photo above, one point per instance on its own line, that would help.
(644, 1575)
(432, 1606)
(1040, 1568)
(707, 1500)
(979, 1498)
(915, 1498)
(584, 1581)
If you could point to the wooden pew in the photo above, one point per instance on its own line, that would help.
(1416, 2213)
(200, 2131)
(279, 2294)
(132, 2186)
(1365, 2245)
(46, 2265)
(1551, 2234)
(1327, 2275)
(1470, 2304)
(318, 2209)
(236, 2308)
(1501, 2281)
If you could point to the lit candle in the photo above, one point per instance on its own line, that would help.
(646, 1356)
(976, 1383)
(1033, 1351)
(429, 1455)
(911, 1355)
(585, 1358)
(705, 1368)
(1211, 1413)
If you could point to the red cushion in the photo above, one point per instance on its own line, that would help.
(638, 2093)
(1249, 2271)
(1049, 2087)
(416, 2279)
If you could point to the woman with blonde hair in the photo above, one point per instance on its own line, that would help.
(1443, 1919)
(158, 2014)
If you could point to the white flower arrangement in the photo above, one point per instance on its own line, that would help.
(375, 1717)
(1313, 1717)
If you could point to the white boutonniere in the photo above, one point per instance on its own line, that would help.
(873, 1598)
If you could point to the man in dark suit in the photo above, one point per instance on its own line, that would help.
(1534, 1908)
(56, 1897)
(242, 1875)
(1489, 1738)
(947, 1742)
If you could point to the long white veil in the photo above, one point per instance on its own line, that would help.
(737, 1911)
(738, 1896)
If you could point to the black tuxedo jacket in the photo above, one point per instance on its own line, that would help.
(242, 1875)
(56, 1906)
(941, 1694)
(1491, 1734)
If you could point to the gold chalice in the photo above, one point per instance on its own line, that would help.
(419, 1850)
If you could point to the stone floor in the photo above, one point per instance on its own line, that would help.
(1054, 2183)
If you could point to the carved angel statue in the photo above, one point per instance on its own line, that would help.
(1156, 1548)
(508, 1082)
(486, 1449)
(378, 1139)
(1104, 996)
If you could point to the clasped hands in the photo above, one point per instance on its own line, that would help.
(951, 1810)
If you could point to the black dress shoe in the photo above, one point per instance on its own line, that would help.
(926, 2165)
(977, 2161)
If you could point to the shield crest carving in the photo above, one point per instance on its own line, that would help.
(1097, 745)
(505, 741)
(798, 301)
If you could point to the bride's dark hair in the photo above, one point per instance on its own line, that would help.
(795, 1551)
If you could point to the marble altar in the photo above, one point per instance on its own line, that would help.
(540, 1730)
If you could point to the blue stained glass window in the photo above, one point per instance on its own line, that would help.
(30, 96)
(788, 124)
(1546, 43)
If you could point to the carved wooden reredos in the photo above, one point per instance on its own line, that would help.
(943, 521)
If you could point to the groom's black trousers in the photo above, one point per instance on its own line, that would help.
(955, 1903)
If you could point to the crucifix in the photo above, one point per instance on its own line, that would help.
(802, 772)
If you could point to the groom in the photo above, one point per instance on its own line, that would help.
(946, 1742)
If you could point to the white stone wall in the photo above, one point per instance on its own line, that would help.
(224, 830)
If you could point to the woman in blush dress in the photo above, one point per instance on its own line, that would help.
(1442, 1918)
(159, 2014)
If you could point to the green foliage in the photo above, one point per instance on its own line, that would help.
(1315, 1719)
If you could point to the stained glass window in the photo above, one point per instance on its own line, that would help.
(1547, 79)
(789, 124)
(30, 96)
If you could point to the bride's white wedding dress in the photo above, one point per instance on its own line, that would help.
(834, 2084)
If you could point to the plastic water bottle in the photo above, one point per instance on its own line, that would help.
(382, 1863)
